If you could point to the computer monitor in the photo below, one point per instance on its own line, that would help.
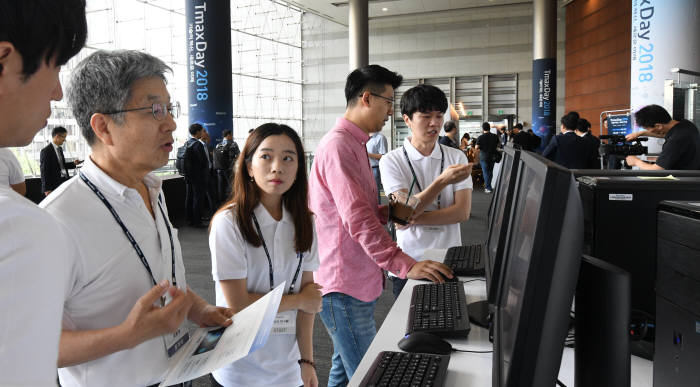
(500, 215)
(538, 278)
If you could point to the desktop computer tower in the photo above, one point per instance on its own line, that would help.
(678, 295)
(620, 225)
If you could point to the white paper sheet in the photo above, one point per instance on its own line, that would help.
(211, 348)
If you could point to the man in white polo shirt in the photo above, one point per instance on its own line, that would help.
(442, 176)
(36, 39)
(127, 297)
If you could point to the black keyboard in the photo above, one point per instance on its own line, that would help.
(406, 369)
(465, 260)
(440, 309)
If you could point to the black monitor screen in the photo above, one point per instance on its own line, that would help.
(524, 224)
(500, 203)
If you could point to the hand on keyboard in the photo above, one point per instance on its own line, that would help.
(430, 270)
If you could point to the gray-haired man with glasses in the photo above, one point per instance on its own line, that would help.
(127, 297)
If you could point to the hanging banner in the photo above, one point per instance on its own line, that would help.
(665, 35)
(209, 66)
(544, 98)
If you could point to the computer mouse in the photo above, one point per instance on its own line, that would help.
(422, 342)
(453, 279)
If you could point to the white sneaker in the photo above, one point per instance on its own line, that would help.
(487, 190)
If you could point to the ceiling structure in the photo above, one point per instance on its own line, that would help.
(337, 10)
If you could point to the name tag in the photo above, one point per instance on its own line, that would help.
(285, 323)
(433, 229)
(174, 341)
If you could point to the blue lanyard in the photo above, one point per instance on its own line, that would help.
(269, 260)
(130, 237)
(413, 172)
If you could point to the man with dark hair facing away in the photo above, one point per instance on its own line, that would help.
(487, 145)
(196, 177)
(682, 147)
(37, 37)
(583, 130)
(353, 245)
(567, 149)
(224, 156)
(52, 162)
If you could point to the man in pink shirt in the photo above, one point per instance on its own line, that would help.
(353, 246)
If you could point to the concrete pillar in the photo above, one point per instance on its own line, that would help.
(544, 69)
(358, 33)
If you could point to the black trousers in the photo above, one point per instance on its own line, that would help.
(196, 200)
(223, 178)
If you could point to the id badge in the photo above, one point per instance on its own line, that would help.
(433, 229)
(285, 323)
(174, 341)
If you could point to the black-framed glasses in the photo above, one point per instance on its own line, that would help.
(390, 100)
(159, 110)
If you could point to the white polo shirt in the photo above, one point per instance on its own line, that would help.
(396, 175)
(33, 263)
(107, 275)
(10, 170)
(232, 257)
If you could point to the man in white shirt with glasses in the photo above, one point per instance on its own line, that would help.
(127, 296)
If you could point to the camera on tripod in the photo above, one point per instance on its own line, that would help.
(618, 146)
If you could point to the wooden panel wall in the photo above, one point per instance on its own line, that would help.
(598, 34)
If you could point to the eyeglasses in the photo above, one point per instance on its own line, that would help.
(159, 110)
(390, 100)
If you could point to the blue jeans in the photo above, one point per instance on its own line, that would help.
(378, 181)
(351, 326)
(487, 170)
(397, 285)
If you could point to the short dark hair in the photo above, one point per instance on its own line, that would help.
(518, 126)
(47, 30)
(58, 130)
(449, 126)
(423, 98)
(373, 78)
(569, 120)
(226, 133)
(486, 127)
(196, 128)
(583, 125)
(650, 115)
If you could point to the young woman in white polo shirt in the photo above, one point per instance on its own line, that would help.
(442, 178)
(261, 237)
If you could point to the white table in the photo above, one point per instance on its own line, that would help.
(467, 369)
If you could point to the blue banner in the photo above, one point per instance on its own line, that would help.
(209, 66)
(544, 98)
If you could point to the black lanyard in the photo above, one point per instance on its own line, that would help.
(413, 172)
(131, 239)
(269, 260)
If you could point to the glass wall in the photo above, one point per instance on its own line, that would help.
(266, 53)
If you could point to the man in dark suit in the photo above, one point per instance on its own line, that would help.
(583, 130)
(196, 176)
(568, 149)
(52, 163)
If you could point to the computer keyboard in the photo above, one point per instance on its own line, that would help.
(465, 260)
(406, 369)
(440, 309)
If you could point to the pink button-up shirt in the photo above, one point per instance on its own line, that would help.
(353, 247)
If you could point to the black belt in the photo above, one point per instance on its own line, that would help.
(375, 166)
